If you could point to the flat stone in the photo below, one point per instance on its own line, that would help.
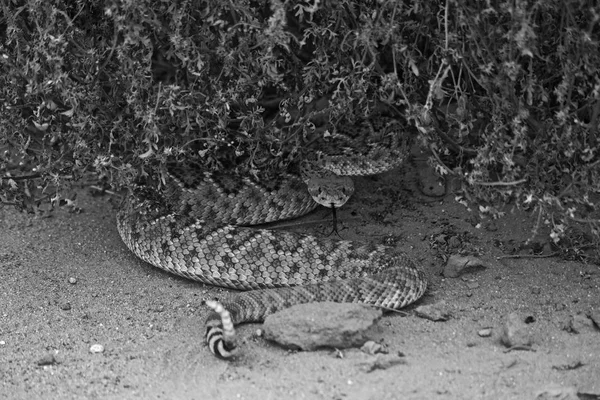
(485, 332)
(580, 323)
(434, 312)
(515, 332)
(459, 265)
(555, 392)
(314, 325)
(48, 359)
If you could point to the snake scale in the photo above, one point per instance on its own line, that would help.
(200, 227)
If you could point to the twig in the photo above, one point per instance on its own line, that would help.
(98, 188)
(446, 24)
(404, 313)
(585, 221)
(528, 256)
(513, 183)
(454, 145)
(299, 224)
(22, 177)
(440, 162)
(436, 82)
(112, 50)
(520, 347)
(536, 228)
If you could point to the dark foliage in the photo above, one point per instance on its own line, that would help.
(506, 94)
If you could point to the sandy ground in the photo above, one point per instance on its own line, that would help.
(67, 282)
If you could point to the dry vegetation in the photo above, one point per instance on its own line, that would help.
(505, 94)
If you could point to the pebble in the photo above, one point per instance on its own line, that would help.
(72, 281)
(96, 348)
(434, 312)
(371, 347)
(554, 392)
(515, 332)
(472, 285)
(580, 323)
(454, 242)
(48, 359)
(486, 332)
(65, 306)
(459, 265)
(595, 317)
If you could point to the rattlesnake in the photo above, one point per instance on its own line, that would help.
(198, 227)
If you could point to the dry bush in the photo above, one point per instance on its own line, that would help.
(504, 93)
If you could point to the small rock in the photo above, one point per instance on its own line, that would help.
(314, 325)
(485, 332)
(389, 218)
(554, 392)
(72, 281)
(472, 285)
(595, 317)
(96, 348)
(459, 265)
(48, 359)
(536, 290)
(579, 323)
(454, 242)
(158, 308)
(569, 366)
(516, 332)
(560, 306)
(371, 347)
(588, 395)
(384, 361)
(65, 306)
(434, 312)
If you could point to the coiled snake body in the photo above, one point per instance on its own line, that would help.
(198, 227)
